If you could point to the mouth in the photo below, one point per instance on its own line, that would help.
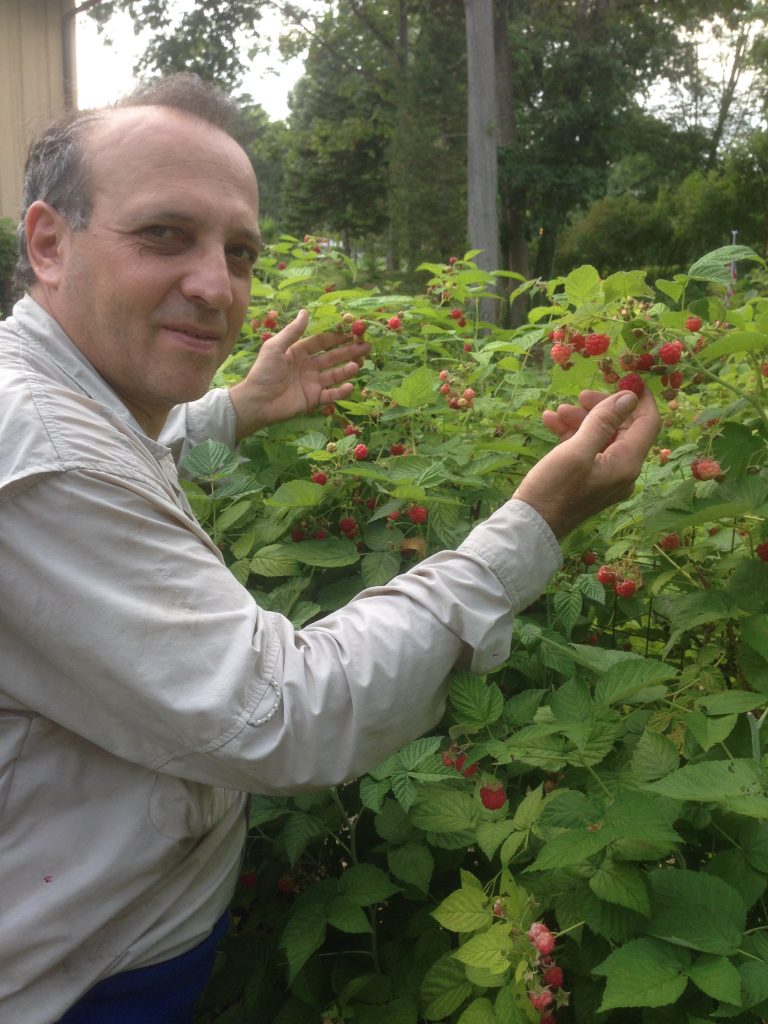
(193, 337)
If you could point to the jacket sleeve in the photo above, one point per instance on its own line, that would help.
(122, 625)
(212, 416)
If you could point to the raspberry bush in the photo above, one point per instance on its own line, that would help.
(585, 836)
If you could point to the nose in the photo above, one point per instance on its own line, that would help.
(208, 279)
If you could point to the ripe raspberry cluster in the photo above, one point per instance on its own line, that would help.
(706, 469)
(456, 758)
(611, 577)
(549, 976)
(456, 396)
(493, 796)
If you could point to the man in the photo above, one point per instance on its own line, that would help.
(142, 691)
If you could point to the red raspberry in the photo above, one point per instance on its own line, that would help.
(492, 797)
(606, 576)
(349, 430)
(445, 389)
(670, 543)
(676, 379)
(560, 353)
(545, 943)
(444, 375)
(548, 1018)
(578, 341)
(558, 335)
(360, 452)
(456, 314)
(632, 382)
(625, 588)
(553, 976)
(541, 1001)
(371, 503)
(463, 323)
(358, 328)
(459, 762)
(453, 259)
(248, 879)
(417, 514)
(762, 551)
(468, 394)
(348, 525)
(693, 323)
(319, 478)
(447, 759)
(319, 534)
(394, 323)
(394, 516)
(266, 336)
(281, 266)
(664, 456)
(765, 368)
(644, 362)
(467, 344)
(596, 344)
(470, 770)
(589, 558)
(706, 469)
(297, 534)
(670, 352)
(397, 449)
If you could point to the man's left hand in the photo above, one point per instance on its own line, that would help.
(294, 375)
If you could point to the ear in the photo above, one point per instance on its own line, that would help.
(47, 234)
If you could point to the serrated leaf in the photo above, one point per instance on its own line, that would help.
(591, 588)
(479, 1011)
(708, 732)
(489, 950)
(567, 604)
(491, 834)
(717, 977)
(298, 833)
(715, 266)
(379, 567)
(476, 703)
(529, 809)
(415, 754)
(711, 781)
(642, 973)
(465, 910)
(714, 915)
(654, 757)
(392, 823)
(417, 389)
(444, 988)
(621, 682)
(297, 494)
(210, 460)
(330, 553)
(373, 792)
(583, 285)
(346, 915)
(274, 560)
(413, 864)
(618, 882)
(569, 848)
(404, 788)
(439, 810)
(232, 515)
(302, 935)
(366, 884)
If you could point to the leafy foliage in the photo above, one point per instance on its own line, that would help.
(623, 733)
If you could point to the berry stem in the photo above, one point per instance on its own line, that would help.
(679, 568)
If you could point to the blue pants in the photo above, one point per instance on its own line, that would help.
(165, 993)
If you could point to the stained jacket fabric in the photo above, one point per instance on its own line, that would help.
(143, 691)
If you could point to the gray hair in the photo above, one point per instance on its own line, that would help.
(57, 171)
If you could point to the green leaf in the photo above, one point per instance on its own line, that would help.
(379, 567)
(302, 935)
(674, 289)
(693, 909)
(439, 810)
(654, 757)
(465, 910)
(476, 703)
(345, 914)
(415, 754)
(621, 883)
(642, 973)
(621, 682)
(625, 283)
(583, 285)
(418, 389)
(413, 864)
(715, 265)
(373, 792)
(711, 781)
(298, 833)
(274, 560)
(392, 823)
(491, 834)
(297, 494)
(210, 460)
(570, 848)
(733, 702)
(479, 1011)
(366, 884)
(490, 950)
(567, 604)
(754, 632)
(717, 977)
(444, 988)
(329, 553)
(399, 1011)
(708, 732)
(232, 514)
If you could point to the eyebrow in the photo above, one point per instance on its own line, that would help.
(249, 234)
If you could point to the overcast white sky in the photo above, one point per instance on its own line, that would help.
(105, 72)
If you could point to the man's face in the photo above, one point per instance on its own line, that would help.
(154, 291)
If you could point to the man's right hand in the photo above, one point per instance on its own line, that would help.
(603, 442)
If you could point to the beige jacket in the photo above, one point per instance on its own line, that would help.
(142, 691)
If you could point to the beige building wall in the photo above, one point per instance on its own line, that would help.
(37, 76)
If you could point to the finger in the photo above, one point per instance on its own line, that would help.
(603, 421)
(339, 374)
(291, 333)
(564, 421)
(357, 351)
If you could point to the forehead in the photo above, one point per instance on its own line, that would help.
(141, 154)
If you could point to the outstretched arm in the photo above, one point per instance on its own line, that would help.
(603, 442)
(293, 375)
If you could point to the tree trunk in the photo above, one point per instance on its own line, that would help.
(482, 133)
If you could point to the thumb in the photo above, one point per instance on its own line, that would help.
(604, 420)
